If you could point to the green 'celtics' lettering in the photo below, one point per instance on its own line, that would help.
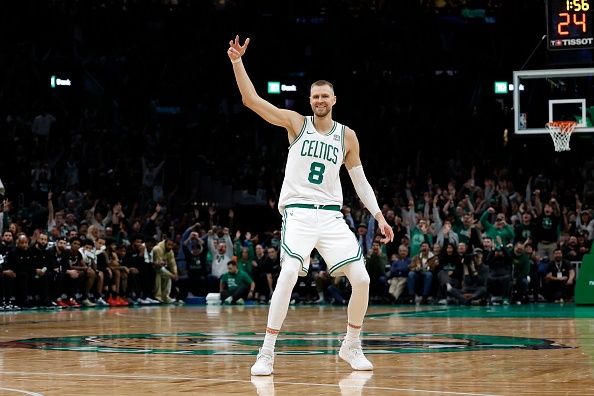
(316, 173)
(316, 149)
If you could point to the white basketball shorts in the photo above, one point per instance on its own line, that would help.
(307, 226)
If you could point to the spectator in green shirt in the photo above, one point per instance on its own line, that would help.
(499, 229)
(236, 286)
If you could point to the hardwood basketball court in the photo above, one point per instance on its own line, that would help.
(207, 350)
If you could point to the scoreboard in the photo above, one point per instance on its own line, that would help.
(569, 24)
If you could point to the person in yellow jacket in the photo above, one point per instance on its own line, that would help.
(166, 270)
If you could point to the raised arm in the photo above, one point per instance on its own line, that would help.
(228, 241)
(353, 164)
(50, 212)
(537, 202)
(290, 120)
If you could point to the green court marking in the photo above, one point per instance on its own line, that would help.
(539, 311)
(294, 343)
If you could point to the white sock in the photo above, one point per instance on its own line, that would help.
(352, 334)
(269, 342)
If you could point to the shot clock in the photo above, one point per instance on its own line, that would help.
(569, 24)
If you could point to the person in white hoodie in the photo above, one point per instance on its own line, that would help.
(221, 250)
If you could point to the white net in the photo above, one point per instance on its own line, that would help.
(561, 133)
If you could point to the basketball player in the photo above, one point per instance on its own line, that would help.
(310, 202)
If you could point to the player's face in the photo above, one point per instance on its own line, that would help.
(321, 100)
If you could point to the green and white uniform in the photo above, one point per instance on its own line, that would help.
(311, 200)
(313, 167)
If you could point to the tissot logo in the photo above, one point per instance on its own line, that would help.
(572, 42)
(246, 343)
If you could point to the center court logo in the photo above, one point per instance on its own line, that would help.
(247, 343)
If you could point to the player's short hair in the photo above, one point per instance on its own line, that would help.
(321, 83)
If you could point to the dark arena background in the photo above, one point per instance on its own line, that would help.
(129, 168)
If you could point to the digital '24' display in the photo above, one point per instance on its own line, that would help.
(569, 24)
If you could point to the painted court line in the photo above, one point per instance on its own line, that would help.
(175, 378)
(21, 391)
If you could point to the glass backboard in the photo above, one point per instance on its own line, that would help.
(553, 95)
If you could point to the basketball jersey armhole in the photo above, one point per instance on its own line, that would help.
(300, 132)
(343, 143)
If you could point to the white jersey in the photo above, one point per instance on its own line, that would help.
(313, 167)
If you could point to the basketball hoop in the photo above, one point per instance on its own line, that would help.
(561, 133)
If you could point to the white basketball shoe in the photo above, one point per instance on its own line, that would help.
(264, 363)
(352, 353)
